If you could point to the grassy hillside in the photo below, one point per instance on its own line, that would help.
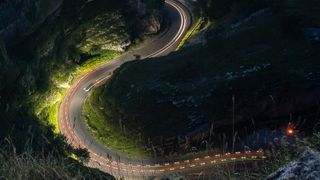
(254, 69)
(31, 165)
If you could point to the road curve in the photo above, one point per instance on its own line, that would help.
(72, 125)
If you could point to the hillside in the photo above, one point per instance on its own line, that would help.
(256, 68)
(44, 47)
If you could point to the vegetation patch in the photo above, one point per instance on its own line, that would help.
(51, 99)
(190, 33)
(45, 165)
(119, 140)
(283, 151)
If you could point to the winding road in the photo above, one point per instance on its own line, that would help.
(72, 125)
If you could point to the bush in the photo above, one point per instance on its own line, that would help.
(43, 165)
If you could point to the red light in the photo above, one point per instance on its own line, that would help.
(290, 131)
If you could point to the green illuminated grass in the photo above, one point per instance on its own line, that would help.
(53, 114)
(49, 101)
(195, 30)
(106, 133)
(190, 33)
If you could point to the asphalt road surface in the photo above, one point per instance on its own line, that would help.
(72, 125)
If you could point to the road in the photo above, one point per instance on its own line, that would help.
(72, 125)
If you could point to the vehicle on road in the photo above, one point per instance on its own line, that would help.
(89, 87)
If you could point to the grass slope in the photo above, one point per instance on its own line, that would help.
(31, 165)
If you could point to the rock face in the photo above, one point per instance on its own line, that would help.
(20, 18)
(152, 23)
(106, 32)
(148, 15)
(116, 31)
(307, 167)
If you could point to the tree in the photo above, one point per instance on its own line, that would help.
(82, 154)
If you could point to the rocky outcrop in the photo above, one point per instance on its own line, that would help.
(148, 15)
(152, 23)
(106, 32)
(115, 31)
(20, 18)
(306, 167)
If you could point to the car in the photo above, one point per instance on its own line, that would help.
(89, 87)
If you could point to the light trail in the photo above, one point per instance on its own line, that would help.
(182, 28)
